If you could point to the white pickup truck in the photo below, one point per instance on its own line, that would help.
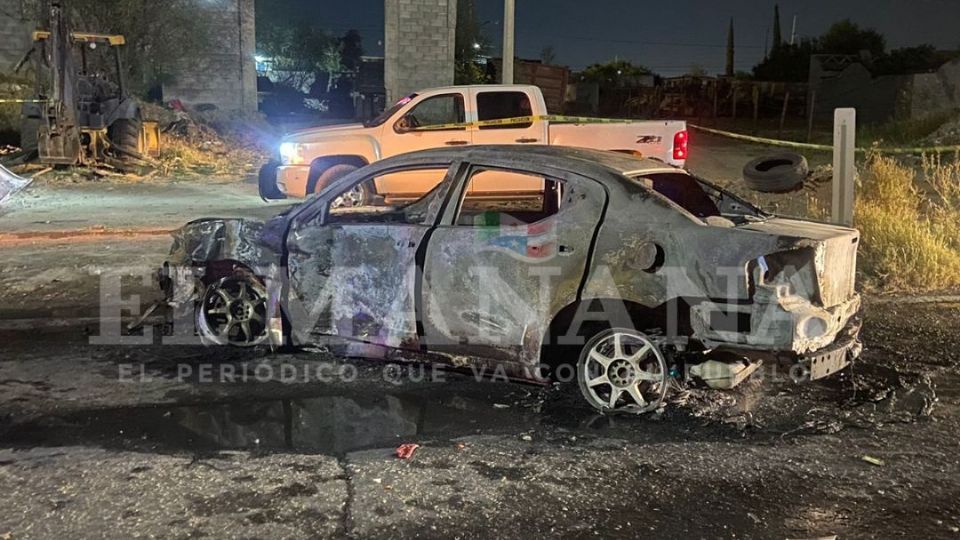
(310, 160)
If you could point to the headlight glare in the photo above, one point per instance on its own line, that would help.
(291, 153)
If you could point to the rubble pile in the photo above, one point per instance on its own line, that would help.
(199, 143)
(947, 134)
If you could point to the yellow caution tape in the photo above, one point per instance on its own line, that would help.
(23, 101)
(526, 120)
(825, 147)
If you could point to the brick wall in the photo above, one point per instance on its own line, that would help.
(418, 45)
(224, 75)
(15, 28)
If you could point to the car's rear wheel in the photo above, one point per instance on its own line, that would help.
(233, 311)
(622, 370)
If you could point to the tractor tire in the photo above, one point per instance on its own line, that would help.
(125, 134)
(28, 134)
(776, 173)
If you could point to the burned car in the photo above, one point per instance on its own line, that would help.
(623, 272)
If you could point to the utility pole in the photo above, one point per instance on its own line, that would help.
(793, 31)
(508, 20)
(729, 68)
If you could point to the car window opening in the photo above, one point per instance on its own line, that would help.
(498, 198)
(684, 191)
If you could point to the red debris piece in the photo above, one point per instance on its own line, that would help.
(405, 451)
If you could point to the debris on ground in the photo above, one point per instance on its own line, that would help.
(209, 142)
(406, 451)
(947, 134)
(873, 461)
(10, 184)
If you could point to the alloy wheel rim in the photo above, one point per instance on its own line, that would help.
(623, 371)
(233, 311)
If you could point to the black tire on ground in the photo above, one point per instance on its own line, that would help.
(267, 181)
(125, 133)
(28, 134)
(776, 173)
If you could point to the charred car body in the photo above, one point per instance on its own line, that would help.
(624, 270)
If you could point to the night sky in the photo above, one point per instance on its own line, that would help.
(668, 36)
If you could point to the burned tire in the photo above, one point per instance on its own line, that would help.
(125, 134)
(777, 173)
(267, 181)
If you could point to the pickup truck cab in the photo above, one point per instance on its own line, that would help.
(310, 160)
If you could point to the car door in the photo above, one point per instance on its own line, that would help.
(428, 123)
(496, 270)
(352, 271)
(503, 104)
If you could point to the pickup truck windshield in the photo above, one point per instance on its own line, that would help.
(385, 115)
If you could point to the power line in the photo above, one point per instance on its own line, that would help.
(657, 43)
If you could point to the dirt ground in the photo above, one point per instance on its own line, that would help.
(181, 441)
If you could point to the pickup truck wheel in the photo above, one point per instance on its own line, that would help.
(319, 179)
(777, 173)
(622, 371)
(233, 311)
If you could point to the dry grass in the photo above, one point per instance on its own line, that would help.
(910, 223)
(181, 157)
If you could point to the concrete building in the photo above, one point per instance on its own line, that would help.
(843, 81)
(418, 45)
(224, 75)
(16, 23)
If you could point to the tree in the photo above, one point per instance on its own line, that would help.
(846, 37)
(159, 34)
(790, 63)
(351, 50)
(470, 44)
(697, 70)
(777, 37)
(548, 55)
(611, 73)
(729, 69)
(919, 59)
(300, 53)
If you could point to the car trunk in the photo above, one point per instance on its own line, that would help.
(834, 251)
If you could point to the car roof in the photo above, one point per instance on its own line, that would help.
(484, 87)
(581, 160)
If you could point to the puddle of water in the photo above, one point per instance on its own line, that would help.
(329, 424)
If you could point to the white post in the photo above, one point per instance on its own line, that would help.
(844, 165)
(508, 20)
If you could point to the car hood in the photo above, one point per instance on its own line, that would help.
(254, 243)
(312, 134)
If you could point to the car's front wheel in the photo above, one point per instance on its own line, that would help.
(622, 370)
(233, 311)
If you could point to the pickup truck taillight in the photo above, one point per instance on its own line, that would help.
(680, 145)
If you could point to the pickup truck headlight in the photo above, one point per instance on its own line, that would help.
(291, 153)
